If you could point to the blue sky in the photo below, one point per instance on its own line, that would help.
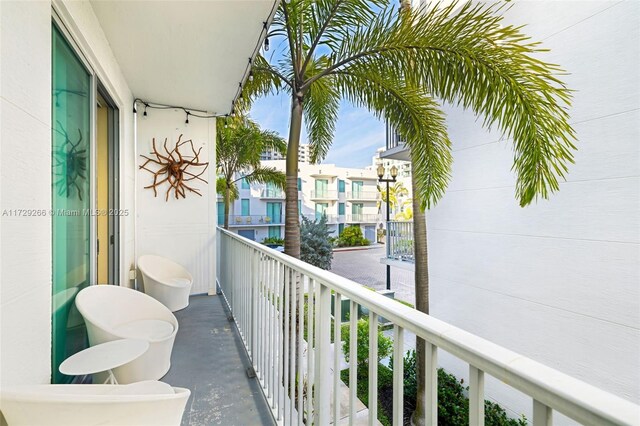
(358, 132)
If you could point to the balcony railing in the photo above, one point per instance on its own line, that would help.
(363, 195)
(331, 218)
(399, 241)
(272, 193)
(252, 220)
(363, 218)
(393, 138)
(324, 195)
(274, 298)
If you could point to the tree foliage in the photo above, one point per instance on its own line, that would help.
(315, 247)
(402, 64)
(239, 144)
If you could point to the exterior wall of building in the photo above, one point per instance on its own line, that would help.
(260, 221)
(180, 229)
(557, 281)
(304, 154)
(25, 251)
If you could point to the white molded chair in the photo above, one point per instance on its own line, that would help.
(112, 312)
(147, 403)
(166, 281)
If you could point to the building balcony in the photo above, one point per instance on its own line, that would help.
(363, 195)
(255, 220)
(272, 194)
(296, 365)
(331, 218)
(324, 195)
(364, 218)
(399, 241)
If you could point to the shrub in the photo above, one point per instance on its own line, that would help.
(385, 344)
(315, 247)
(352, 236)
(453, 405)
(273, 241)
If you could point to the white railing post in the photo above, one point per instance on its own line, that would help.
(373, 368)
(431, 379)
(542, 415)
(323, 384)
(353, 361)
(476, 396)
(398, 376)
(337, 324)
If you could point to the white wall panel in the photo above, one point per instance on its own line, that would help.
(25, 183)
(182, 230)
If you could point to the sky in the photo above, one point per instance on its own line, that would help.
(358, 132)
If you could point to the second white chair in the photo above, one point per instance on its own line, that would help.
(166, 281)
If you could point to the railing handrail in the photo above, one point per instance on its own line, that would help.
(570, 396)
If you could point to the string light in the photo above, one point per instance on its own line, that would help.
(187, 120)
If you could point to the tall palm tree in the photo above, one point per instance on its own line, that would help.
(239, 144)
(401, 64)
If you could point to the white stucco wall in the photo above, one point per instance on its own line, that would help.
(25, 172)
(182, 230)
(25, 243)
(558, 281)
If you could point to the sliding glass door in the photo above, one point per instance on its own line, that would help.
(71, 197)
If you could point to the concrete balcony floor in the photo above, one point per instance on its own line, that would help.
(208, 358)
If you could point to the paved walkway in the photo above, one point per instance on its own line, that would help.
(364, 267)
(208, 358)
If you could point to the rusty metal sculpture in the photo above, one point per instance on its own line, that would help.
(70, 166)
(174, 169)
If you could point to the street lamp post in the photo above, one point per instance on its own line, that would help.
(381, 178)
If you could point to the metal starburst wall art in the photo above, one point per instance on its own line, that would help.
(175, 169)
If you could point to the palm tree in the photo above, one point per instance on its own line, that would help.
(396, 192)
(401, 64)
(239, 144)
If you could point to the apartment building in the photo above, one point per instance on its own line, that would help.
(304, 154)
(346, 196)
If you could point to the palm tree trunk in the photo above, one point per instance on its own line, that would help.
(292, 224)
(292, 221)
(422, 296)
(227, 200)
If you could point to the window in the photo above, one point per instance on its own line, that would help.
(245, 204)
(356, 187)
(321, 209)
(274, 232)
(321, 188)
(340, 185)
(341, 209)
(71, 112)
(340, 228)
(274, 212)
(356, 211)
(220, 213)
(245, 184)
(299, 207)
(299, 184)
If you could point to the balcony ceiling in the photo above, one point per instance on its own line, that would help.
(184, 53)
